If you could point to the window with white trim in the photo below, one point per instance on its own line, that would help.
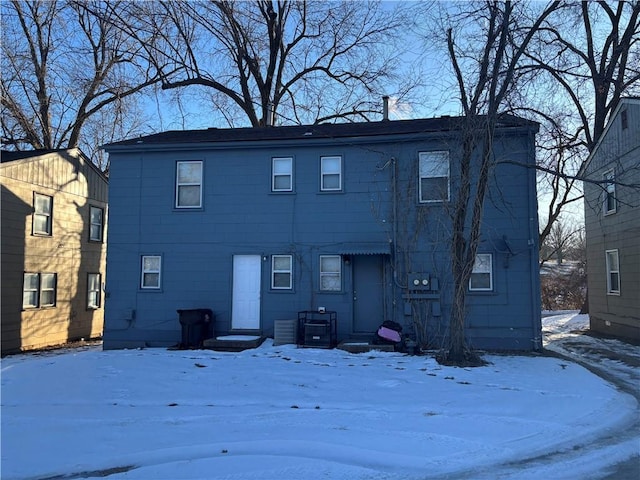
(42, 214)
(613, 272)
(151, 270)
(189, 184)
(434, 177)
(96, 223)
(331, 174)
(610, 203)
(39, 290)
(94, 284)
(481, 279)
(282, 174)
(281, 272)
(330, 273)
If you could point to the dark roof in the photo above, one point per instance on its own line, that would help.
(325, 130)
(10, 156)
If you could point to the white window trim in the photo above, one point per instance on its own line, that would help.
(97, 292)
(48, 216)
(610, 290)
(609, 189)
(323, 173)
(274, 174)
(188, 184)
(91, 223)
(489, 271)
(425, 156)
(31, 290)
(274, 272)
(143, 271)
(54, 290)
(39, 290)
(331, 273)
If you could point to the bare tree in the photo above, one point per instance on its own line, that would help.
(63, 63)
(270, 62)
(583, 62)
(485, 79)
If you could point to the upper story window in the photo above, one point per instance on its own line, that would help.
(331, 174)
(151, 270)
(330, 273)
(481, 279)
(613, 272)
(39, 290)
(434, 177)
(610, 203)
(189, 184)
(42, 214)
(96, 223)
(93, 291)
(282, 174)
(624, 122)
(281, 272)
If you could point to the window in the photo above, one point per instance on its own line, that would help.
(39, 290)
(624, 122)
(42, 214)
(151, 265)
(610, 203)
(189, 184)
(434, 177)
(281, 272)
(330, 174)
(93, 291)
(96, 222)
(613, 272)
(481, 279)
(282, 174)
(330, 273)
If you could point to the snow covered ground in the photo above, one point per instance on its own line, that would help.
(289, 413)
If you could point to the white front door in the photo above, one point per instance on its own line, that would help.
(245, 309)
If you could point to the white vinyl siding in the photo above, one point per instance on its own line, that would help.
(433, 183)
(482, 274)
(282, 174)
(151, 270)
(613, 272)
(331, 174)
(282, 272)
(42, 214)
(189, 184)
(330, 273)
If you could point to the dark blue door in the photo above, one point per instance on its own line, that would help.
(368, 293)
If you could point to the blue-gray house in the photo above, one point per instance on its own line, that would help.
(259, 224)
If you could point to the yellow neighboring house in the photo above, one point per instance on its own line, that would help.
(54, 212)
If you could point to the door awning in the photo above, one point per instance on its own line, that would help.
(365, 248)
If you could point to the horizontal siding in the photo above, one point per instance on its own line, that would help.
(67, 252)
(240, 215)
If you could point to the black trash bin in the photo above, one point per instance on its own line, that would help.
(197, 326)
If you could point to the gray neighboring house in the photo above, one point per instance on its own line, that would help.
(612, 222)
(258, 224)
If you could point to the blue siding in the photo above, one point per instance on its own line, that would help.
(240, 215)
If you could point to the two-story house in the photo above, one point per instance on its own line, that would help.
(54, 207)
(612, 224)
(259, 224)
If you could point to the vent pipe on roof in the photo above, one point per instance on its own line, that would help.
(270, 114)
(385, 107)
